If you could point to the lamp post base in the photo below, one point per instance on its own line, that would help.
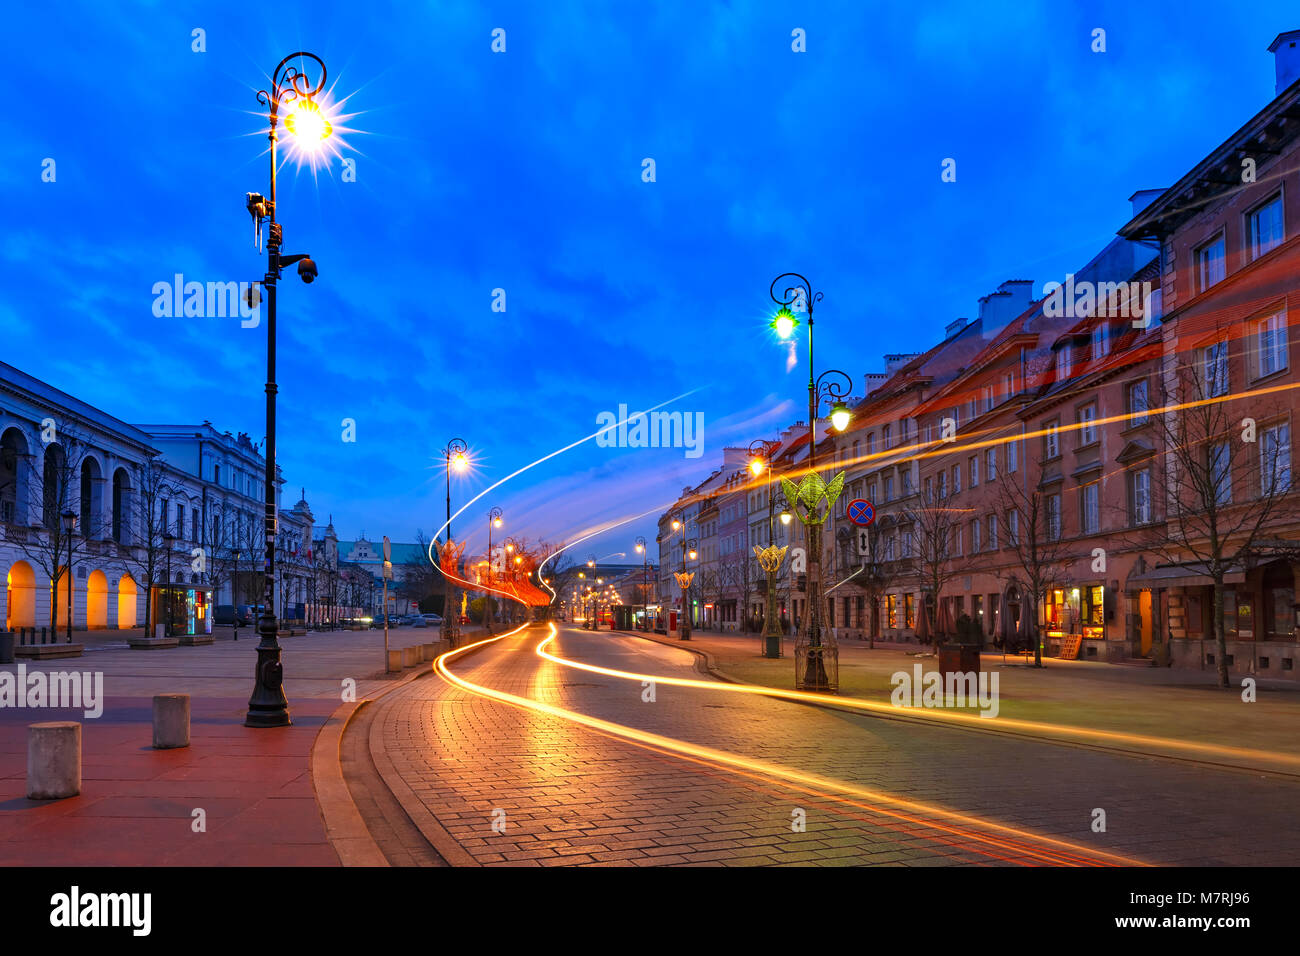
(268, 706)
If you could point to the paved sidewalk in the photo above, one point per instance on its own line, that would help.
(1150, 701)
(137, 804)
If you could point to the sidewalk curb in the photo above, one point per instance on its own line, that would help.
(709, 666)
(344, 826)
(443, 842)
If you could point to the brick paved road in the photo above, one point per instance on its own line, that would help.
(574, 795)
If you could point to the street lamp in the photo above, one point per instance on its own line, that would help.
(268, 707)
(69, 525)
(455, 456)
(494, 521)
(816, 656)
(645, 583)
(168, 543)
(769, 557)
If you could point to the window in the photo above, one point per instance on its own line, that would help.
(194, 523)
(974, 470)
(1087, 424)
(956, 478)
(909, 609)
(1270, 345)
(987, 392)
(891, 609)
(180, 520)
(929, 489)
(1209, 264)
(993, 532)
(1053, 503)
(1220, 473)
(907, 542)
(975, 536)
(1012, 456)
(1266, 231)
(886, 437)
(1138, 403)
(956, 540)
(1013, 527)
(1009, 384)
(943, 484)
(216, 474)
(1214, 369)
(990, 464)
(1089, 513)
(907, 480)
(1051, 440)
(1140, 496)
(889, 487)
(928, 434)
(1275, 459)
(1099, 343)
(1063, 362)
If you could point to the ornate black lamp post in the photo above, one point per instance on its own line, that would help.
(494, 521)
(769, 557)
(816, 654)
(683, 576)
(267, 707)
(645, 583)
(455, 455)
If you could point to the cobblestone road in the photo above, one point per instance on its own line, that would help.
(562, 793)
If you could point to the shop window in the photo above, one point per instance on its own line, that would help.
(891, 609)
(909, 609)
(1282, 619)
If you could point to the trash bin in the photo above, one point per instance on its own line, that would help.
(6, 647)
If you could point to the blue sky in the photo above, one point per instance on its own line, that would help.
(523, 171)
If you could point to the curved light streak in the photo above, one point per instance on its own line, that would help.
(971, 720)
(901, 809)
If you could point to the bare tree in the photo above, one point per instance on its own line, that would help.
(1225, 476)
(1032, 517)
(155, 488)
(933, 524)
(54, 490)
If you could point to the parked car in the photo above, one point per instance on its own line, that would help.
(415, 620)
(243, 615)
(433, 620)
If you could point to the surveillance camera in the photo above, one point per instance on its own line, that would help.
(255, 204)
(306, 270)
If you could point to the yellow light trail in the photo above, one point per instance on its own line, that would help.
(973, 721)
(996, 834)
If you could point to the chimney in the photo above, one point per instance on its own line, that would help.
(1286, 59)
(1143, 198)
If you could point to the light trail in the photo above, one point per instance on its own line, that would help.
(973, 721)
(964, 826)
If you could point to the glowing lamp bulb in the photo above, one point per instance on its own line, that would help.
(840, 416)
(756, 466)
(692, 555)
(786, 517)
(308, 123)
(496, 523)
(784, 323)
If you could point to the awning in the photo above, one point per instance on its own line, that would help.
(1182, 576)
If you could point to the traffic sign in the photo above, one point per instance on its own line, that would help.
(860, 512)
(388, 549)
(864, 543)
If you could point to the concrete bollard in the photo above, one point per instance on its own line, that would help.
(410, 656)
(394, 660)
(430, 651)
(53, 760)
(171, 721)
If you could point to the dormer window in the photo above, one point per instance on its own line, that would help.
(1100, 344)
(1063, 362)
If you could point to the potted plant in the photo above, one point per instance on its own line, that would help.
(961, 655)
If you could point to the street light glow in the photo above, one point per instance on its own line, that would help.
(308, 124)
(840, 416)
(756, 465)
(459, 462)
(784, 323)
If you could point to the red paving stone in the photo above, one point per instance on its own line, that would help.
(136, 803)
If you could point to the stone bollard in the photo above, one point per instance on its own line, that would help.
(394, 660)
(430, 651)
(171, 721)
(410, 656)
(53, 760)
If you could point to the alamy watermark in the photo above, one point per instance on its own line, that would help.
(953, 689)
(1084, 299)
(210, 300)
(652, 430)
(82, 690)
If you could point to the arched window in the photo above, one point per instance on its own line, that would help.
(121, 506)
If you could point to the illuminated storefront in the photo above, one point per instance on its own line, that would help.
(190, 610)
(1076, 610)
